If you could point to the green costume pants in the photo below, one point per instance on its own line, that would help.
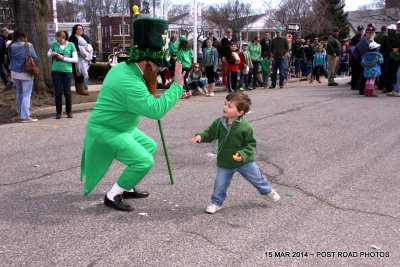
(137, 153)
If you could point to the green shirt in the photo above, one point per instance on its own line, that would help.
(255, 51)
(265, 63)
(59, 65)
(209, 60)
(173, 48)
(232, 139)
(185, 56)
(279, 47)
(122, 100)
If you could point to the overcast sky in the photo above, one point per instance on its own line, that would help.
(258, 4)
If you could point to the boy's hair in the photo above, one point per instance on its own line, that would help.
(242, 100)
(233, 43)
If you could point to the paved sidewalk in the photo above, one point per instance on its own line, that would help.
(47, 111)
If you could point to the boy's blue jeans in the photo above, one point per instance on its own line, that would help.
(249, 171)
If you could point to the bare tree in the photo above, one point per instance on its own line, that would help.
(377, 11)
(233, 14)
(67, 11)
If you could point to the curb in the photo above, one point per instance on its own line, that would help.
(83, 107)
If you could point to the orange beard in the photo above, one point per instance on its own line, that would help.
(151, 79)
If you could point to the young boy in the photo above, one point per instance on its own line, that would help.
(245, 66)
(344, 61)
(233, 68)
(265, 66)
(236, 148)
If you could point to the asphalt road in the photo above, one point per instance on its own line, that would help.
(330, 153)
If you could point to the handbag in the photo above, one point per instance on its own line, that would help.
(30, 65)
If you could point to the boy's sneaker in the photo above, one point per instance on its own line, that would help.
(274, 196)
(212, 208)
(212, 94)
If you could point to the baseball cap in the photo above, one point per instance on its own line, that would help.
(374, 45)
(182, 38)
(370, 29)
(392, 27)
(398, 22)
(360, 27)
(372, 25)
(278, 29)
(229, 30)
(245, 43)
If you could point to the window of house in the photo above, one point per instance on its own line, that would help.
(126, 29)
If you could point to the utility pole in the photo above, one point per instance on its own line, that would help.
(193, 11)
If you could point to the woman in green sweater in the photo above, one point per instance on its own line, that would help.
(185, 56)
(236, 148)
(63, 54)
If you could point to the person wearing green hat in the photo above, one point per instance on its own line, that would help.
(185, 56)
(279, 49)
(127, 93)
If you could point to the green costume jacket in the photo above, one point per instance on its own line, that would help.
(123, 99)
(235, 138)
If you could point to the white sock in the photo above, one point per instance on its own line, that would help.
(130, 190)
(115, 190)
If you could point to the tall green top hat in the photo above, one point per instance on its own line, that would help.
(149, 36)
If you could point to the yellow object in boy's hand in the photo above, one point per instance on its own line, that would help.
(236, 156)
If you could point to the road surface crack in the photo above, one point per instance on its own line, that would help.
(209, 241)
(39, 177)
(274, 179)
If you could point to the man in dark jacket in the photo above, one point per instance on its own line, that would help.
(215, 42)
(333, 49)
(266, 45)
(355, 68)
(360, 49)
(224, 52)
(385, 49)
(279, 49)
(3, 50)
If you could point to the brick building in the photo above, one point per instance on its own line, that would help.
(112, 34)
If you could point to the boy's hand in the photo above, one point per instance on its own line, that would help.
(196, 139)
(237, 157)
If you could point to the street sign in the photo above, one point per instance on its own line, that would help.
(293, 27)
(51, 32)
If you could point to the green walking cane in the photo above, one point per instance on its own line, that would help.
(165, 152)
(153, 91)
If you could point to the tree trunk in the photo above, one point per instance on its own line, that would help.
(31, 17)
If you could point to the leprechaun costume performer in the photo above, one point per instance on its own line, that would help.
(111, 131)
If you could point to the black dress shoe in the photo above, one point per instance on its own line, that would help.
(135, 194)
(58, 116)
(117, 204)
(69, 115)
